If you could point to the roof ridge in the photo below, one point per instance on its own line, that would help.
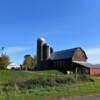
(68, 53)
(67, 49)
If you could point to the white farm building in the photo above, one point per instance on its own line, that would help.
(13, 66)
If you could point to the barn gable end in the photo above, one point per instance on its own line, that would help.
(79, 55)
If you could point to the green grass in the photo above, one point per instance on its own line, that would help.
(53, 92)
(47, 93)
(10, 75)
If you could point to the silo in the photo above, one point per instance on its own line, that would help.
(51, 50)
(46, 51)
(40, 43)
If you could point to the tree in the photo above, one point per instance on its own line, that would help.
(35, 61)
(28, 63)
(4, 61)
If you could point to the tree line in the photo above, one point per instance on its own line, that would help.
(29, 62)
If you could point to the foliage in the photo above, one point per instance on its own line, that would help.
(29, 62)
(13, 75)
(39, 82)
(41, 92)
(85, 77)
(51, 93)
(4, 61)
(35, 61)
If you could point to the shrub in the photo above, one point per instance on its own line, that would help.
(85, 77)
(40, 82)
(4, 61)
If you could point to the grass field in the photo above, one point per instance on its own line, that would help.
(10, 75)
(44, 93)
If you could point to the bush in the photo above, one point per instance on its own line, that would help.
(98, 75)
(40, 82)
(4, 61)
(85, 77)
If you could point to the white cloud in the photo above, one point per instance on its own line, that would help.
(93, 55)
(12, 50)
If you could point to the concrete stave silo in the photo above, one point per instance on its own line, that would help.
(51, 51)
(40, 44)
(46, 52)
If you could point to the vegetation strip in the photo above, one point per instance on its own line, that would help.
(46, 91)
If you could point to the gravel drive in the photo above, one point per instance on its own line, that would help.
(88, 97)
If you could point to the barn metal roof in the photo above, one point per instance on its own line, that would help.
(64, 54)
(97, 66)
(85, 64)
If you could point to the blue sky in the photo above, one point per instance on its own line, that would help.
(63, 23)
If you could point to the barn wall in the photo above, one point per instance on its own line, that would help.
(63, 64)
(79, 56)
(94, 71)
(81, 69)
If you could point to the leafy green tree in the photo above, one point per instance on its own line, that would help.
(4, 61)
(28, 63)
(35, 61)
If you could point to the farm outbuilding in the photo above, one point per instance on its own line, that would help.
(95, 70)
(91, 69)
(13, 65)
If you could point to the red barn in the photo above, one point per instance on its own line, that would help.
(95, 70)
(65, 60)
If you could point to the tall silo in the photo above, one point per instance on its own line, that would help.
(46, 51)
(51, 51)
(40, 43)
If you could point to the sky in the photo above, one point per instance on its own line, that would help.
(63, 23)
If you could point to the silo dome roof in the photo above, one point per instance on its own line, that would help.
(41, 38)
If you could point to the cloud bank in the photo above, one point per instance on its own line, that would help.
(93, 55)
(14, 50)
